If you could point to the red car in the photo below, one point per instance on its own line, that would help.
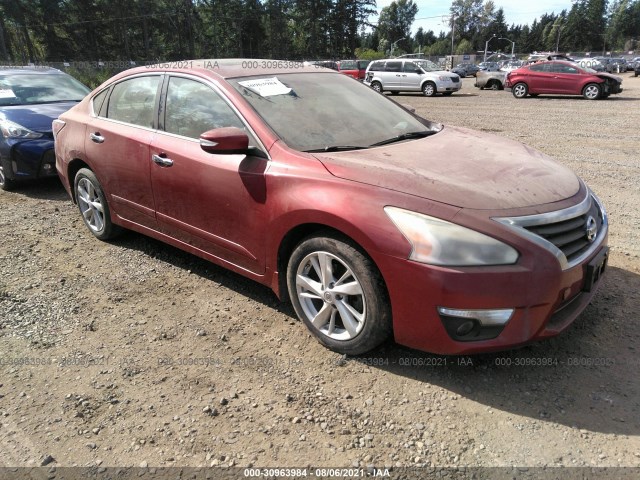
(563, 78)
(354, 68)
(372, 220)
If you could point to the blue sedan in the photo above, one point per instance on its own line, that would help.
(30, 99)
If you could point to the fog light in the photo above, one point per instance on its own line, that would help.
(47, 167)
(474, 325)
(485, 317)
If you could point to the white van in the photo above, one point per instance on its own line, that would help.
(408, 75)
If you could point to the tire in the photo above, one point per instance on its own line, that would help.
(494, 85)
(520, 90)
(377, 86)
(429, 89)
(6, 184)
(592, 91)
(348, 323)
(93, 205)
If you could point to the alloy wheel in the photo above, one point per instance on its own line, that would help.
(90, 205)
(331, 296)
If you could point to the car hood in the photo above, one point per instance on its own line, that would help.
(35, 117)
(459, 167)
(608, 75)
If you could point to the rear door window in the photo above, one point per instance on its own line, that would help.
(394, 66)
(134, 101)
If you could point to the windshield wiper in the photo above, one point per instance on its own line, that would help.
(404, 136)
(336, 148)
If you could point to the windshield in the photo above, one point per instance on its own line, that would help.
(427, 65)
(33, 88)
(316, 111)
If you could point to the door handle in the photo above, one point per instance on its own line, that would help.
(96, 137)
(162, 160)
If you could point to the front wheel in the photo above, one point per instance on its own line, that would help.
(6, 184)
(339, 294)
(429, 89)
(494, 85)
(520, 90)
(93, 205)
(591, 91)
(377, 86)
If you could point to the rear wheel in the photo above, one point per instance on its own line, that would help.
(591, 91)
(494, 85)
(520, 90)
(93, 205)
(377, 86)
(339, 294)
(429, 89)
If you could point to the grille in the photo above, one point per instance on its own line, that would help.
(570, 236)
(455, 79)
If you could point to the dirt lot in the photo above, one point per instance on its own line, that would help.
(140, 355)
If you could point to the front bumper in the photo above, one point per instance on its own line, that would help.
(28, 159)
(448, 86)
(538, 297)
(545, 301)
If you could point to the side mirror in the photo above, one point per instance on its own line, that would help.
(227, 140)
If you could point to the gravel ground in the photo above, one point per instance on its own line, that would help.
(133, 353)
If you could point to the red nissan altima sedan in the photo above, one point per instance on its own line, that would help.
(373, 221)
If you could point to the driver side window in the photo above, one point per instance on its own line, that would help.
(192, 108)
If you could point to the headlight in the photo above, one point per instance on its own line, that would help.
(13, 130)
(444, 79)
(438, 242)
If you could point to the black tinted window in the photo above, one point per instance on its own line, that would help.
(561, 68)
(539, 67)
(193, 108)
(376, 67)
(133, 101)
(394, 67)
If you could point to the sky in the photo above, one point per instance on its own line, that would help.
(519, 12)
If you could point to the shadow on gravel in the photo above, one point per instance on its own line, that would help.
(203, 268)
(45, 189)
(587, 378)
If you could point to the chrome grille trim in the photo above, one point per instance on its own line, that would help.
(520, 224)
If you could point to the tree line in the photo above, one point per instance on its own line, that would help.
(143, 30)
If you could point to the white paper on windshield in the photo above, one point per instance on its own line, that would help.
(266, 87)
(7, 93)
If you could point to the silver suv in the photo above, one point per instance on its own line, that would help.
(401, 75)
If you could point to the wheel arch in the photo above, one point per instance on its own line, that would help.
(72, 169)
(294, 235)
